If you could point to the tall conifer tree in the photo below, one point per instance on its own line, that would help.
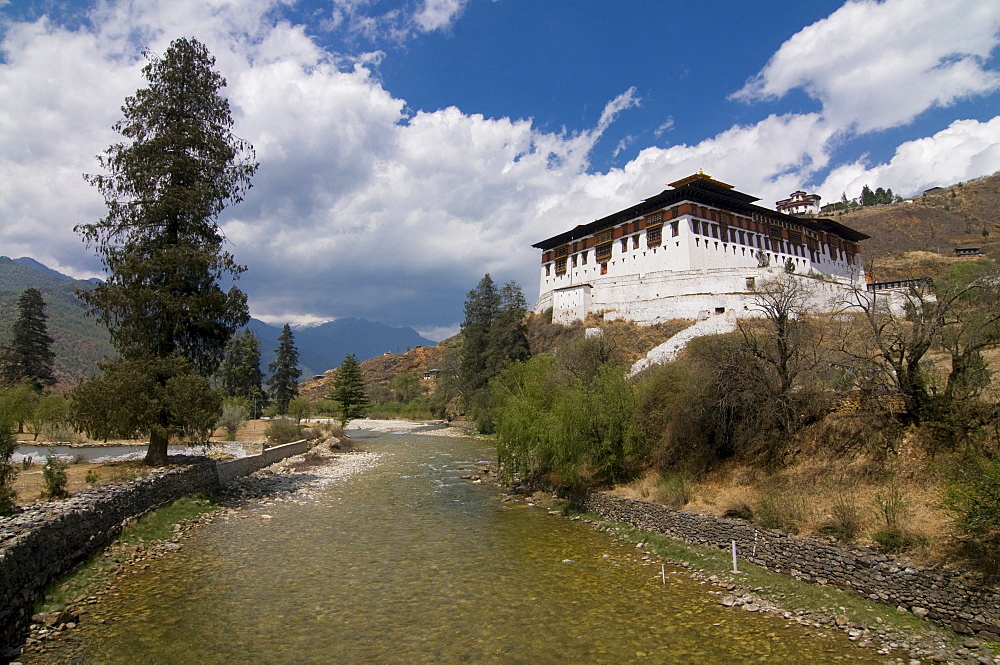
(164, 185)
(283, 383)
(240, 374)
(493, 336)
(30, 354)
(349, 390)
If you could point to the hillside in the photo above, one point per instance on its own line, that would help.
(380, 370)
(963, 215)
(79, 340)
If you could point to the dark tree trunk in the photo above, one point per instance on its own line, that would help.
(156, 454)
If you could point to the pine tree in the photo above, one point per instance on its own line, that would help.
(867, 196)
(283, 382)
(482, 306)
(240, 374)
(493, 336)
(164, 185)
(30, 355)
(349, 390)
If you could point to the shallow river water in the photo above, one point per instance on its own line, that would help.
(408, 563)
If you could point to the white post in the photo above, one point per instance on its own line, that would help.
(735, 569)
(663, 572)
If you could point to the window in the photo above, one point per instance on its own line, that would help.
(674, 229)
(624, 244)
(548, 269)
(561, 266)
(584, 255)
(751, 283)
(574, 260)
(654, 236)
(603, 252)
(604, 268)
(655, 218)
(561, 252)
(602, 237)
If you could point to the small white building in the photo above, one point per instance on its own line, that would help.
(799, 203)
(694, 250)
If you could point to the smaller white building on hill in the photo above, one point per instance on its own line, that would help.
(697, 249)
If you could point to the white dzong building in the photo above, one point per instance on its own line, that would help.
(695, 250)
(799, 203)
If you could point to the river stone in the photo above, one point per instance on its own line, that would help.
(919, 611)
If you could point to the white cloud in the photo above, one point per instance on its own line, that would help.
(438, 14)
(665, 126)
(360, 209)
(966, 149)
(875, 65)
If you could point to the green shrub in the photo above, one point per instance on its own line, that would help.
(91, 478)
(893, 541)
(282, 430)
(54, 479)
(7, 495)
(235, 412)
(553, 424)
(891, 510)
(972, 499)
(779, 508)
(972, 496)
(60, 432)
(299, 408)
(674, 490)
(848, 520)
(891, 515)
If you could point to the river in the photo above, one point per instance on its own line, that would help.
(407, 562)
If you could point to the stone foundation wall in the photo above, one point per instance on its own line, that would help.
(231, 469)
(955, 598)
(48, 539)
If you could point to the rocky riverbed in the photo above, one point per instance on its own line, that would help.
(296, 479)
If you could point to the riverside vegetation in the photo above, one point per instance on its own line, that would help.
(872, 425)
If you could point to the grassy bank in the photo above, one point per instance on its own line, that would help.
(823, 607)
(88, 580)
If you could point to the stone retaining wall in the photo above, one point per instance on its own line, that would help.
(955, 598)
(47, 539)
(231, 469)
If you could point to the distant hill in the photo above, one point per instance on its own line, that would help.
(962, 215)
(323, 347)
(79, 340)
(380, 369)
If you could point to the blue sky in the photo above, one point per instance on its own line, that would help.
(408, 147)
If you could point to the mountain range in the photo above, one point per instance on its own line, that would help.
(80, 342)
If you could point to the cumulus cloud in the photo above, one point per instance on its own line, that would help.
(875, 65)
(966, 149)
(438, 14)
(362, 207)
